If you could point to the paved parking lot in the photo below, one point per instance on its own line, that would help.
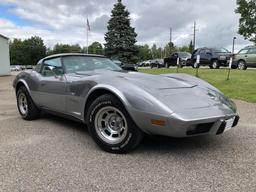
(53, 154)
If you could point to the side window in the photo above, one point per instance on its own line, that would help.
(252, 51)
(243, 51)
(52, 67)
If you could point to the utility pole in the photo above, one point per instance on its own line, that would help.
(194, 36)
(170, 35)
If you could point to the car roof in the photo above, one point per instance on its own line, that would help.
(70, 54)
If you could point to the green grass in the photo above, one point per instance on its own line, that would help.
(241, 85)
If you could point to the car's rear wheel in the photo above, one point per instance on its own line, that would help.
(26, 106)
(111, 126)
(242, 65)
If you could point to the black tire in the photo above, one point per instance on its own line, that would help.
(242, 65)
(214, 64)
(31, 112)
(133, 135)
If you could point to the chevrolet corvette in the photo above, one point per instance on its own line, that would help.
(120, 106)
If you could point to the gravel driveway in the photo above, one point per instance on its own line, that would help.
(54, 154)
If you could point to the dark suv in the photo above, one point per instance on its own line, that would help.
(212, 57)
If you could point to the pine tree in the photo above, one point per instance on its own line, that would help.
(120, 37)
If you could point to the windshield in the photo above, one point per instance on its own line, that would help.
(184, 54)
(75, 64)
(221, 50)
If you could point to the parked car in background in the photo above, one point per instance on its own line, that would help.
(157, 63)
(147, 63)
(212, 57)
(184, 59)
(124, 66)
(245, 58)
(15, 68)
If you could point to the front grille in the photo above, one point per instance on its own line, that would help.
(200, 128)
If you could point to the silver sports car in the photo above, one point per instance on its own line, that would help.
(118, 106)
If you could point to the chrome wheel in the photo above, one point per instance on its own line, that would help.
(23, 105)
(111, 125)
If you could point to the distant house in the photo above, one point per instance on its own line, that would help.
(4, 56)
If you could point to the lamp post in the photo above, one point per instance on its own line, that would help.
(232, 57)
(233, 47)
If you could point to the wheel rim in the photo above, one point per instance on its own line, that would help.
(23, 105)
(241, 65)
(214, 65)
(111, 125)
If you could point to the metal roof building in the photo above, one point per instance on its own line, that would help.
(4, 56)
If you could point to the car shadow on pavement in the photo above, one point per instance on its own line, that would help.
(154, 144)
(160, 144)
(66, 123)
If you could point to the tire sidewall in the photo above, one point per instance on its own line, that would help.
(22, 90)
(126, 143)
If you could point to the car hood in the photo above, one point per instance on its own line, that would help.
(147, 82)
(179, 92)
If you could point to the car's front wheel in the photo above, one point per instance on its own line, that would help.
(27, 109)
(214, 65)
(242, 65)
(111, 126)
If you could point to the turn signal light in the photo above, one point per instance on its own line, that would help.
(157, 122)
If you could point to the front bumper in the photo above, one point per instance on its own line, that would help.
(175, 126)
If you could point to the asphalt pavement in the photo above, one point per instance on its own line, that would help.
(54, 154)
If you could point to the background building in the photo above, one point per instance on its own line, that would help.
(4, 56)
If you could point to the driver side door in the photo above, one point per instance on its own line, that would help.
(52, 85)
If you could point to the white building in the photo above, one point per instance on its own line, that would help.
(4, 56)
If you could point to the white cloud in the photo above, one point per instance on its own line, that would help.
(64, 21)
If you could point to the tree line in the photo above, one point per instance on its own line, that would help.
(31, 50)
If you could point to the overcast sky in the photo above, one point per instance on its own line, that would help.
(64, 21)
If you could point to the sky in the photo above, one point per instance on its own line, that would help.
(64, 21)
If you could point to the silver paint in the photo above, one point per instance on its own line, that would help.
(181, 100)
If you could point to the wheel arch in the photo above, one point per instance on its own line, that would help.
(102, 90)
(21, 83)
(241, 60)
